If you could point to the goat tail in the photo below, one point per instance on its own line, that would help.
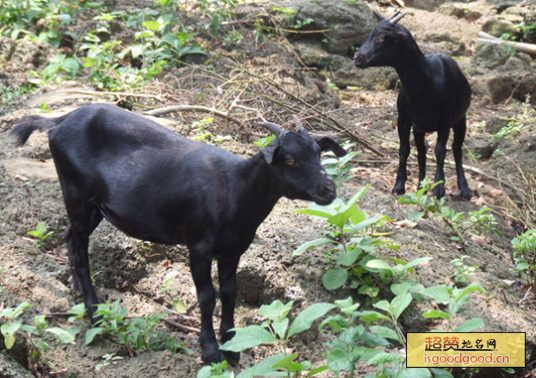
(27, 125)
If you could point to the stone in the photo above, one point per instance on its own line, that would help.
(345, 23)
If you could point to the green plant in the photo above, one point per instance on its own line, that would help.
(201, 134)
(350, 247)
(477, 222)
(521, 120)
(277, 330)
(215, 371)
(11, 325)
(525, 255)
(59, 65)
(462, 272)
(178, 305)
(107, 360)
(10, 94)
(135, 334)
(340, 169)
(453, 299)
(40, 233)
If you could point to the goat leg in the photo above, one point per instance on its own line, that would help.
(228, 289)
(459, 136)
(403, 154)
(441, 152)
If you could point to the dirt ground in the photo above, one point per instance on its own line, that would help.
(134, 271)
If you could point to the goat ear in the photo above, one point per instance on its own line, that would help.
(271, 150)
(378, 16)
(326, 143)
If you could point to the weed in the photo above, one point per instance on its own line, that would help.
(10, 94)
(40, 233)
(525, 256)
(135, 334)
(107, 360)
(477, 222)
(520, 121)
(178, 305)
(201, 134)
(350, 246)
(462, 272)
(277, 330)
(340, 169)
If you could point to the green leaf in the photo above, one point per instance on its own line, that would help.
(378, 264)
(61, 335)
(289, 363)
(264, 368)
(305, 319)
(335, 278)
(401, 288)
(366, 223)
(247, 338)
(311, 244)
(470, 325)
(92, 332)
(8, 330)
(151, 25)
(340, 219)
(347, 259)
(439, 293)
(317, 370)
(280, 327)
(385, 332)
(413, 373)
(338, 360)
(434, 314)
(469, 289)
(441, 373)
(276, 310)
(400, 303)
(383, 358)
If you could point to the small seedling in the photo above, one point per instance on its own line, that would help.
(40, 233)
(463, 272)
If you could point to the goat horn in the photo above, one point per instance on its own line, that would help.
(298, 122)
(396, 17)
(274, 128)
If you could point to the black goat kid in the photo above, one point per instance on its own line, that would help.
(435, 96)
(159, 186)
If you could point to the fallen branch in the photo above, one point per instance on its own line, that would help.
(194, 108)
(181, 326)
(528, 48)
(116, 94)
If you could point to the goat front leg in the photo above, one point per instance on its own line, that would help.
(404, 127)
(440, 153)
(200, 265)
(228, 289)
(421, 154)
(459, 136)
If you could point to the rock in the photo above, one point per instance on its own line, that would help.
(9, 368)
(500, 86)
(468, 11)
(348, 24)
(483, 148)
(497, 27)
(428, 5)
(494, 124)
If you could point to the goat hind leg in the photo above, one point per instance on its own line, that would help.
(404, 127)
(459, 137)
(228, 288)
(441, 152)
(421, 154)
(83, 222)
(200, 265)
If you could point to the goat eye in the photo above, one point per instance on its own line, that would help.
(289, 161)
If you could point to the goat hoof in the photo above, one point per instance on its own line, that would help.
(399, 190)
(439, 191)
(232, 357)
(212, 355)
(466, 193)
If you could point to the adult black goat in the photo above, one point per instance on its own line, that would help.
(159, 186)
(435, 96)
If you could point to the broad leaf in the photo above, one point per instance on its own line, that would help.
(400, 303)
(335, 278)
(470, 325)
(413, 373)
(305, 319)
(385, 332)
(433, 314)
(61, 335)
(247, 338)
(311, 244)
(91, 333)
